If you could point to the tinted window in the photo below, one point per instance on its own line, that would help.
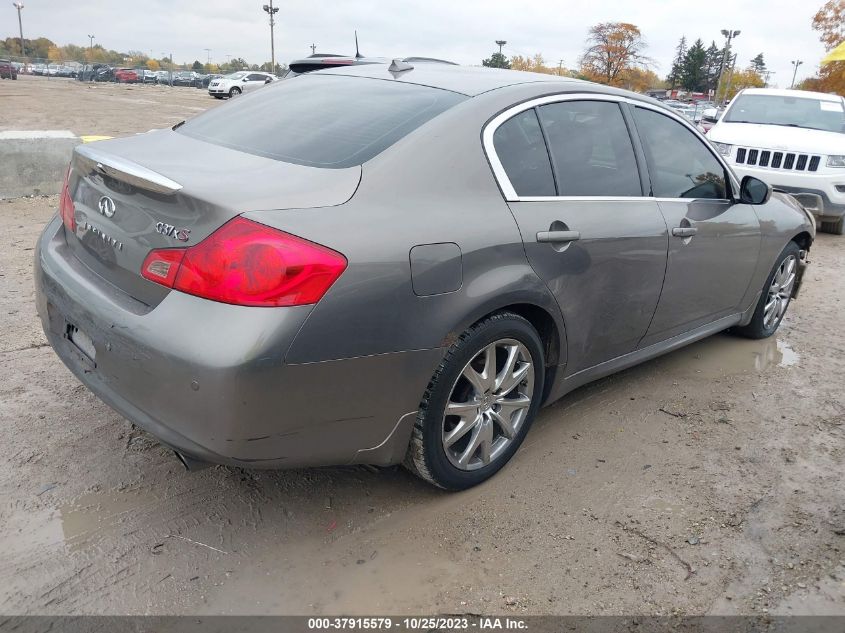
(326, 121)
(255, 77)
(522, 151)
(680, 165)
(591, 149)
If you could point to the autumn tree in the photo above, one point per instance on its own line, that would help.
(640, 80)
(612, 48)
(535, 64)
(830, 24)
(741, 79)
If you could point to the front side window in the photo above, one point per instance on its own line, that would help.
(679, 164)
(522, 151)
(591, 149)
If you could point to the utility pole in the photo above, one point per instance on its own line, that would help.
(501, 43)
(729, 35)
(208, 61)
(559, 67)
(795, 64)
(313, 49)
(91, 47)
(272, 11)
(19, 7)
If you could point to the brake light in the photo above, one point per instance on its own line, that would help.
(66, 210)
(250, 264)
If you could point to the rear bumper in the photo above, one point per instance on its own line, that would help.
(209, 379)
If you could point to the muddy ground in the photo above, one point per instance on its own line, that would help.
(709, 481)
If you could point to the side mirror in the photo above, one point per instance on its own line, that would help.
(754, 191)
(245, 79)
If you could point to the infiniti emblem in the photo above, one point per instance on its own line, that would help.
(106, 206)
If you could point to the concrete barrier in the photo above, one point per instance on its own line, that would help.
(34, 162)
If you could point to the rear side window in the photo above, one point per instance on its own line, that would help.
(591, 149)
(679, 164)
(327, 121)
(522, 151)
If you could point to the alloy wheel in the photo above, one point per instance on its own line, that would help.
(488, 404)
(780, 292)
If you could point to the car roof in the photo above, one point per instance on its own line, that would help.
(801, 94)
(467, 80)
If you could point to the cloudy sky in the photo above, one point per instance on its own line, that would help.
(460, 30)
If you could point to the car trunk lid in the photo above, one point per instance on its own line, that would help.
(167, 190)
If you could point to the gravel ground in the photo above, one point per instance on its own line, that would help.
(708, 481)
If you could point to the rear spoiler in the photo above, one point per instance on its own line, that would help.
(92, 159)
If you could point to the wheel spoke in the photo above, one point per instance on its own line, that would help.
(507, 370)
(474, 378)
(462, 409)
(488, 374)
(462, 428)
(472, 446)
(512, 381)
(503, 419)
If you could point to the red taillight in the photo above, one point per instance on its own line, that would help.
(250, 264)
(66, 210)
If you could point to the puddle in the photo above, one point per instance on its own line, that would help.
(725, 355)
(88, 514)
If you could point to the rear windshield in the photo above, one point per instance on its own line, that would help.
(321, 121)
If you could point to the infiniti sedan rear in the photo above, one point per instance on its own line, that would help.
(393, 264)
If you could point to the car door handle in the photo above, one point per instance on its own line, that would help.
(684, 231)
(558, 236)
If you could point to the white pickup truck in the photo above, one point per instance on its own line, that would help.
(795, 141)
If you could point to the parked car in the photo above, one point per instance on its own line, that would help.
(184, 78)
(207, 79)
(424, 255)
(126, 76)
(7, 70)
(162, 76)
(795, 141)
(236, 83)
(146, 75)
(710, 117)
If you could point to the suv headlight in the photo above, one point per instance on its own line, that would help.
(723, 148)
(836, 160)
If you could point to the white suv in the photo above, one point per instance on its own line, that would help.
(795, 141)
(236, 83)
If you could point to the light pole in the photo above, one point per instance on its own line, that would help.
(501, 43)
(559, 67)
(795, 64)
(91, 47)
(729, 35)
(313, 49)
(766, 75)
(272, 11)
(208, 61)
(19, 7)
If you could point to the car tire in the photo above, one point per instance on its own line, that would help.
(480, 444)
(778, 288)
(234, 92)
(836, 227)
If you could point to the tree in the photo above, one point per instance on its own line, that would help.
(640, 80)
(740, 79)
(677, 65)
(694, 72)
(714, 63)
(197, 65)
(153, 65)
(758, 64)
(612, 48)
(496, 60)
(829, 21)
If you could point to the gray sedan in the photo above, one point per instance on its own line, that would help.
(400, 264)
